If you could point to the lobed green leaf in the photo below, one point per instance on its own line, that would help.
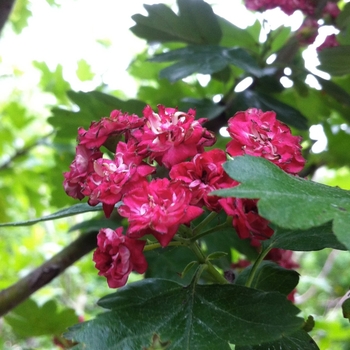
(289, 201)
(189, 318)
(195, 24)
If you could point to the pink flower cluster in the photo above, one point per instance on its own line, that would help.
(308, 7)
(308, 32)
(170, 142)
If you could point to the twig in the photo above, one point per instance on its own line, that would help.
(21, 290)
(327, 267)
(5, 10)
(24, 150)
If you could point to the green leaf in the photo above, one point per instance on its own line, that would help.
(195, 24)
(346, 306)
(289, 201)
(53, 81)
(234, 36)
(314, 238)
(335, 60)
(94, 225)
(285, 113)
(73, 210)
(226, 239)
(169, 263)
(205, 59)
(190, 318)
(300, 340)
(30, 320)
(92, 107)
(334, 90)
(84, 72)
(205, 108)
(271, 277)
(19, 15)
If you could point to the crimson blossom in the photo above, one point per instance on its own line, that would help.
(117, 123)
(202, 175)
(81, 167)
(171, 136)
(260, 134)
(158, 208)
(112, 178)
(117, 255)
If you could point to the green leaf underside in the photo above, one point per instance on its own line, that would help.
(206, 59)
(73, 210)
(289, 201)
(195, 24)
(314, 238)
(271, 277)
(300, 340)
(193, 317)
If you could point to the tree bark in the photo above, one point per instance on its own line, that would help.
(21, 290)
(5, 10)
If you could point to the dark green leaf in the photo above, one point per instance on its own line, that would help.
(335, 91)
(92, 107)
(169, 263)
(195, 24)
(343, 19)
(190, 318)
(346, 306)
(335, 60)
(289, 201)
(314, 238)
(270, 277)
(300, 340)
(242, 59)
(224, 239)
(73, 210)
(285, 113)
(205, 108)
(205, 59)
(30, 320)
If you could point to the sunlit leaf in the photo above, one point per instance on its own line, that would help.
(31, 320)
(289, 201)
(84, 72)
(195, 24)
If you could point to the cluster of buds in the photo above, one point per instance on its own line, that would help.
(307, 33)
(172, 143)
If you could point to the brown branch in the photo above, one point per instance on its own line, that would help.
(21, 290)
(327, 267)
(5, 10)
(24, 150)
